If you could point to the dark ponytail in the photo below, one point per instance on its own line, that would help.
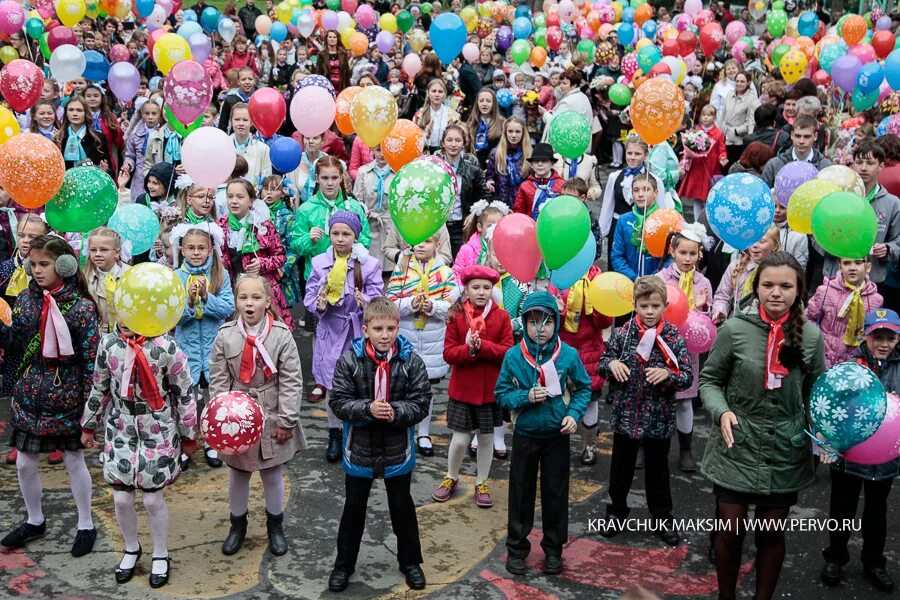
(791, 355)
(56, 246)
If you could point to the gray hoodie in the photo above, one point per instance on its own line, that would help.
(784, 157)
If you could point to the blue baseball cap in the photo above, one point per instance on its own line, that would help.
(882, 318)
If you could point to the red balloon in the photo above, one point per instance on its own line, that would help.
(677, 307)
(711, 37)
(658, 69)
(60, 35)
(515, 246)
(883, 42)
(703, 17)
(232, 423)
(554, 37)
(687, 42)
(552, 20)
(820, 32)
(670, 48)
(821, 77)
(176, 5)
(267, 111)
(21, 83)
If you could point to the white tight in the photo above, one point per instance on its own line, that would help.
(239, 490)
(425, 425)
(32, 488)
(459, 443)
(333, 421)
(684, 415)
(592, 414)
(126, 515)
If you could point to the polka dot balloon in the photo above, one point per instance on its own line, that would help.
(149, 299)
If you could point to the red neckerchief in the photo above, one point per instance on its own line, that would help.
(476, 322)
(382, 389)
(542, 380)
(249, 355)
(668, 354)
(775, 371)
(145, 377)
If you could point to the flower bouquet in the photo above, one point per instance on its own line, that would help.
(697, 144)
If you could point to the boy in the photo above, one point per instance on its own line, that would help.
(535, 378)
(803, 139)
(848, 479)
(380, 392)
(543, 183)
(646, 362)
(246, 85)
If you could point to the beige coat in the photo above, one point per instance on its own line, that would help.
(279, 397)
(97, 287)
(736, 119)
(380, 223)
(394, 243)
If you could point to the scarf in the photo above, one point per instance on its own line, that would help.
(637, 234)
(195, 274)
(481, 135)
(18, 281)
(246, 236)
(381, 174)
(109, 282)
(651, 337)
(254, 350)
(193, 219)
(382, 388)
(476, 322)
(686, 285)
(339, 203)
(871, 195)
(548, 377)
(629, 172)
(56, 340)
(134, 356)
(573, 167)
(74, 150)
(747, 288)
(423, 287)
(172, 149)
(544, 192)
(578, 303)
(439, 119)
(95, 122)
(512, 167)
(511, 294)
(855, 311)
(310, 183)
(47, 132)
(241, 147)
(275, 208)
(775, 371)
(484, 251)
(337, 279)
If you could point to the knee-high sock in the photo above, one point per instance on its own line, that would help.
(126, 515)
(592, 414)
(333, 421)
(684, 416)
(156, 506)
(458, 444)
(500, 437)
(273, 489)
(80, 480)
(425, 426)
(485, 456)
(238, 491)
(31, 486)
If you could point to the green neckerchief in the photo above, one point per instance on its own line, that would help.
(871, 195)
(637, 235)
(275, 207)
(251, 244)
(340, 203)
(483, 254)
(193, 219)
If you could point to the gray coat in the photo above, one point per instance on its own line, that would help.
(784, 157)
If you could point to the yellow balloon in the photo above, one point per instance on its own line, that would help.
(9, 127)
(149, 299)
(486, 9)
(170, 50)
(612, 294)
(417, 40)
(845, 178)
(804, 200)
(70, 11)
(792, 27)
(8, 54)
(34, 14)
(373, 114)
(683, 73)
(642, 43)
(618, 8)
(388, 22)
(671, 34)
(283, 12)
(793, 65)
(346, 35)
(92, 9)
(123, 8)
(469, 14)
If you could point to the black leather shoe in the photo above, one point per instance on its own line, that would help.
(339, 580)
(333, 453)
(879, 577)
(516, 566)
(84, 542)
(415, 578)
(125, 575)
(157, 581)
(277, 541)
(213, 461)
(831, 574)
(553, 565)
(24, 532)
(501, 454)
(236, 535)
(473, 451)
(666, 533)
(611, 526)
(426, 452)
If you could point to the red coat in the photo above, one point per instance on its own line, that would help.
(473, 379)
(239, 61)
(525, 196)
(890, 178)
(697, 182)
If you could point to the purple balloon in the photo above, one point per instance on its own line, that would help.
(124, 80)
(385, 41)
(505, 38)
(200, 46)
(844, 70)
(317, 81)
(792, 176)
(883, 23)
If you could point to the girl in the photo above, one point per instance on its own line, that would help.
(135, 146)
(435, 116)
(303, 177)
(423, 288)
(469, 175)
(142, 393)
(198, 204)
(686, 250)
(254, 151)
(106, 125)
(699, 176)
(371, 189)
(43, 119)
(78, 142)
(737, 282)
(252, 244)
(507, 165)
(103, 269)
(839, 308)
(332, 62)
(477, 338)
(485, 125)
(476, 251)
(57, 356)
(282, 214)
(273, 377)
(240, 58)
(342, 280)
(629, 255)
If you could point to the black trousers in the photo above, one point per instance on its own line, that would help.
(845, 491)
(455, 229)
(551, 456)
(656, 475)
(403, 520)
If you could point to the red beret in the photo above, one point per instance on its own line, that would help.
(480, 272)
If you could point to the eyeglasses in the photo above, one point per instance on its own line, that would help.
(202, 196)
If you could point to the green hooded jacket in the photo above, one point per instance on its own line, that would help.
(315, 212)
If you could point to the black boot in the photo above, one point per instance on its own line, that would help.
(686, 461)
(277, 541)
(236, 535)
(333, 453)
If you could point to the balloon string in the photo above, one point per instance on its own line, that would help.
(823, 445)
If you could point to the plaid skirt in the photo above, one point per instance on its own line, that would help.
(468, 417)
(36, 444)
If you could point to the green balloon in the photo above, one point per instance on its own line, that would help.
(333, 4)
(34, 27)
(520, 51)
(778, 5)
(404, 21)
(179, 127)
(776, 21)
(563, 226)
(619, 94)
(421, 197)
(45, 49)
(778, 53)
(87, 199)
(540, 38)
(636, 3)
(647, 57)
(539, 21)
(570, 135)
(845, 225)
(588, 47)
(864, 101)
(426, 8)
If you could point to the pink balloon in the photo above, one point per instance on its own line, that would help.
(693, 7)
(151, 39)
(412, 64)
(864, 52)
(118, 53)
(735, 31)
(365, 16)
(208, 156)
(167, 6)
(312, 110)
(470, 52)
(349, 5)
(515, 245)
(21, 83)
(884, 445)
(699, 332)
(187, 90)
(12, 17)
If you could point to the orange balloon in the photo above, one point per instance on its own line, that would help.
(657, 109)
(5, 313)
(403, 144)
(538, 56)
(642, 14)
(593, 21)
(359, 43)
(805, 45)
(342, 109)
(31, 169)
(657, 228)
(853, 29)
(638, 78)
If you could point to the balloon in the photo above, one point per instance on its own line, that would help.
(34, 27)
(868, 80)
(864, 52)
(9, 126)
(21, 83)
(8, 54)
(892, 69)
(883, 43)
(448, 35)
(317, 81)
(189, 28)
(619, 94)
(403, 144)
(267, 111)
(505, 98)
(226, 28)
(5, 313)
(647, 57)
(359, 43)
(568, 274)
(210, 21)
(68, 11)
(59, 36)
(626, 34)
(520, 51)
(776, 21)
(87, 199)
(570, 134)
(31, 169)
(687, 43)
(208, 156)
(312, 110)
(412, 64)
(515, 245)
(67, 63)
(285, 154)
(342, 108)
(96, 66)
(169, 50)
(844, 71)
(847, 405)
(699, 332)
(385, 41)
(829, 55)
(793, 65)
(612, 294)
(790, 177)
(373, 114)
(417, 40)
(845, 225)
(135, 223)
(157, 18)
(844, 177)
(538, 56)
(853, 30)
(677, 307)
(201, 47)
(422, 196)
(365, 16)
(149, 298)
(232, 423)
(278, 31)
(404, 20)
(187, 91)
(657, 109)
(804, 200)
(179, 127)
(563, 225)
(306, 24)
(808, 24)
(711, 37)
(735, 31)
(884, 445)
(657, 228)
(470, 52)
(124, 81)
(263, 25)
(119, 53)
(740, 209)
(522, 28)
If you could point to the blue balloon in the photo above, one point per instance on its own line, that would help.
(97, 66)
(190, 15)
(650, 29)
(523, 11)
(189, 28)
(448, 36)
(522, 28)
(869, 78)
(847, 405)
(137, 224)
(808, 24)
(505, 98)
(144, 7)
(882, 127)
(740, 209)
(628, 15)
(285, 154)
(209, 18)
(892, 69)
(626, 34)
(279, 31)
(566, 276)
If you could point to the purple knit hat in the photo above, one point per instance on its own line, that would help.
(348, 218)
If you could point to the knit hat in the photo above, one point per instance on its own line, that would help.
(348, 218)
(480, 272)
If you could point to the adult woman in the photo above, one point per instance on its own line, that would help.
(753, 159)
(724, 85)
(573, 99)
(756, 394)
(485, 66)
(485, 125)
(435, 116)
(469, 175)
(332, 62)
(104, 123)
(736, 119)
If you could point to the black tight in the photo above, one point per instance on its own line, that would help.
(769, 550)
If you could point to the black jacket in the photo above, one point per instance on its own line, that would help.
(471, 182)
(776, 139)
(248, 15)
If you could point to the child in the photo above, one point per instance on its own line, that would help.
(282, 214)
(159, 184)
(80, 144)
(380, 392)
(198, 203)
(507, 165)
(629, 255)
(209, 302)
(304, 176)
(423, 288)
(254, 151)
(342, 280)
(273, 377)
(136, 143)
(482, 217)
(485, 125)
(647, 362)
(794, 243)
(543, 183)
(840, 306)
(371, 187)
(737, 282)
(46, 411)
(103, 269)
(699, 178)
(141, 392)
(43, 119)
(252, 244)
(478, 335)
(879, 353)
(686, 249)
(434, 117)
(535, 378)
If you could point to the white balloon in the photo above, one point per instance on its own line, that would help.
(306, 24)
(227, 30)
(157, 18)
(676, 66)
(344, 20)
(67, 63)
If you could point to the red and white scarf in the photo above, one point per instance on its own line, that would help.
(775, 371)
(650, 337)
(382, 389)
(134, 356)
(475, 321)
(56, 340)
(254, 350)
(548, 377)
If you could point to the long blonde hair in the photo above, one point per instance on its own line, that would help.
(425, 114)
(774, 234)
(503, 148)
(496, 129)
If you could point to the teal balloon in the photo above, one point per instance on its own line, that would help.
(86, 200)
(832, 52)
(647, 57)
(570, 134)
(567, 275)
(847, 405)
(563, 225)
(421, 197)
(863, 101)
(34, 27)
(137, 224)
